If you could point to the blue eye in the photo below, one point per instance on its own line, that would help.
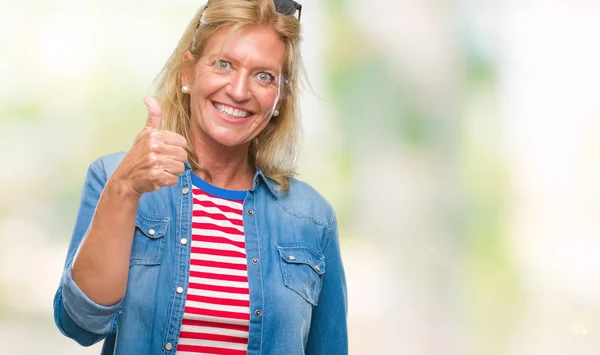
(265, 78)
(223, 64)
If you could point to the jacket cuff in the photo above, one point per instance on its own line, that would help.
(87, 314)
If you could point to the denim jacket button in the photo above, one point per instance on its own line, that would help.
(258, 312)
(250, 212)
(168, 346)
(254, 261)
(185, 190)
(291, 257)
(316, 267)
(151, 231)
(183, 241)
(179, 290)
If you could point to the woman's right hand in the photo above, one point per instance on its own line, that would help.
(156, 159)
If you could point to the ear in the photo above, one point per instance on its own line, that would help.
(186, 68)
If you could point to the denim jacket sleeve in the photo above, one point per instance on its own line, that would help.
(328, 331)
(75, 314)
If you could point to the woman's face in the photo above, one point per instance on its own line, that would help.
(234, 86)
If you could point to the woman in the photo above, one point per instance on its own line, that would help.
(199, 239)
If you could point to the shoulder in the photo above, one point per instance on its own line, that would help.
(107, 164)
(304, 201)
(110, 161)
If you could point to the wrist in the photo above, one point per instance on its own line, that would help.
(122, 188)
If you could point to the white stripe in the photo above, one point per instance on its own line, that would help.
(219, 270)
(214, 330)
(214, 344)
(215, 210)
(216, 294)
(201, 317)
(218, 246)
(223, 259)
(217, 307)
(216, 222)
(221, 202)
(213, 282)
(216, 233)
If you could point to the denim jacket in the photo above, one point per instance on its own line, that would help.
(298, 305)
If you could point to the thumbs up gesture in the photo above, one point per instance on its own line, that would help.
(154, 113)
(156, 159)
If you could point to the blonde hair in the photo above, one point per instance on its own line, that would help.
(274, 150)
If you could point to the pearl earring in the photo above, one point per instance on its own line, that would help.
(276, 113)
(185, 89)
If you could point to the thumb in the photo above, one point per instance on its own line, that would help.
(154, 112)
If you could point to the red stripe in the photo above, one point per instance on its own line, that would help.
(222, 240)
(213, 337)
(219, 264)
(224, 277)
(211, 226)
(215, 313)
(218, 217)
(221, 207)
(203, 323)
(221, 301)
(219, 252)
(238, 290)
(210, 350)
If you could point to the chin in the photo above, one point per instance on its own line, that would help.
(229, 140)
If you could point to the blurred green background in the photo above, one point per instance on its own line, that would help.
(457, 140)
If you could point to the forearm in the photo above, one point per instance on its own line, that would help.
(101, 265)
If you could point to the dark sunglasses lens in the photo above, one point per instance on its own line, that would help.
(285, 7)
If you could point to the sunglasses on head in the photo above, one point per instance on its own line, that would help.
(288, 7)
(284, 7)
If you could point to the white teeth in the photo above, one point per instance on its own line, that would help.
(232, 111)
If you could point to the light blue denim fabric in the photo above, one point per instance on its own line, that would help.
(298, 304)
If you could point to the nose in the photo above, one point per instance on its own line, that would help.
(239, 86)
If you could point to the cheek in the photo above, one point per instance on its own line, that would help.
(207, 83)
(262, 125)
(267, 99)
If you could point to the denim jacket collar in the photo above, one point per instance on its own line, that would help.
(271, 185)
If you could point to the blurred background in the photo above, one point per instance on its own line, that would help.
(457, 140)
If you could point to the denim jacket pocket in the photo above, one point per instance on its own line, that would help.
(303, 270)
(148, 240)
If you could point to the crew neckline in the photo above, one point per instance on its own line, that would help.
(236, 195)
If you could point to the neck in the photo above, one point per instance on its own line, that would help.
(222, 166)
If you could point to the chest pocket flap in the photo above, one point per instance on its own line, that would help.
(303, 269)
(148, 240)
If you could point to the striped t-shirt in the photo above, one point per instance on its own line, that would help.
(217, 306)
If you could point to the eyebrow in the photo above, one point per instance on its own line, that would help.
(229, 58)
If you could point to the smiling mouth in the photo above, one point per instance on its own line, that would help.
(232, 112)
